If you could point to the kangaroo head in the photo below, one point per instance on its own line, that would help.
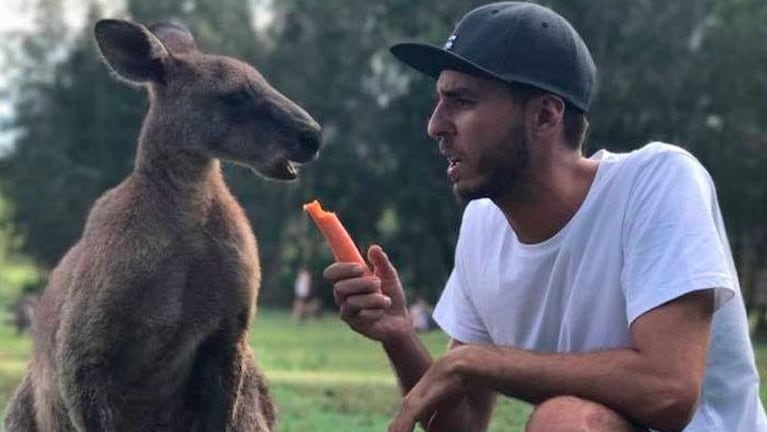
(208, 105)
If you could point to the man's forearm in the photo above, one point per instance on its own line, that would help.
(620, 379)
(657, 383)
(409, 358)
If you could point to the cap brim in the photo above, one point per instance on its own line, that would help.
(431, 60)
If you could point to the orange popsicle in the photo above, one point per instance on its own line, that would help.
(341, 243)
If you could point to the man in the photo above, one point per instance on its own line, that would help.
(601, 290)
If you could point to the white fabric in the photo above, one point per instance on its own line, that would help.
(649, 231)
(303, 284)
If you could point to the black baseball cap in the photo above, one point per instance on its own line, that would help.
(515, 42)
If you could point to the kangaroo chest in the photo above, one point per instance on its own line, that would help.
(212, 269)
(208, 281)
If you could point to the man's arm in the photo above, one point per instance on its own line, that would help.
(656, 383)
(466, 407)
(374, 306)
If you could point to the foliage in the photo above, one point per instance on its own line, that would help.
(76, 127)
(688, 72)
(17, 274)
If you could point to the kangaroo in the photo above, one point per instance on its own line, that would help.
(143, 325)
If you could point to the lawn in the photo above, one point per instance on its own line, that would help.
(323, 376)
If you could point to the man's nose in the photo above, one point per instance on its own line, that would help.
(438, 125)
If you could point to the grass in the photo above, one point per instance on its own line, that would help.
(326, 377)
(322, 375)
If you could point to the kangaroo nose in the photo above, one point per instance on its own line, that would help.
(309, 142)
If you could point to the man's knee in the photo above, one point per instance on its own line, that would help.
(572, 414)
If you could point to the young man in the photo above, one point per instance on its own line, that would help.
(602, 290)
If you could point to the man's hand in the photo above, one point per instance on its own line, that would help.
(448, 397)
(373, 306)
(443, 382)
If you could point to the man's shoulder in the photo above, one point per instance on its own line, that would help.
(651, 151)
(659, 160)
(657, 150)
(651, 160)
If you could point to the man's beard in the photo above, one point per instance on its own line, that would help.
(506, 173)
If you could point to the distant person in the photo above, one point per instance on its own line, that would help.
(420, 315)
(23, 312)
(303, 291)
(600, 289)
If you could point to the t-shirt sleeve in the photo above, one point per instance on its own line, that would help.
(673, 236)
(455, 312)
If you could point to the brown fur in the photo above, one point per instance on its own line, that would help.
(143, 325)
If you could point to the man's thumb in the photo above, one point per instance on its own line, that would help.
(382, 267)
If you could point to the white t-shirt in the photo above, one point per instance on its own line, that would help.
(649, 231)
(303, 284)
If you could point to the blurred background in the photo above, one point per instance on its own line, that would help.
(690, 72)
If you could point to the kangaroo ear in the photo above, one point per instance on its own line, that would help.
(131, 50)
(176, 38)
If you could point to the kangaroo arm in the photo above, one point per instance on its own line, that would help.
(86, 340)
(87, 398)
(217, 378)
(91, 334)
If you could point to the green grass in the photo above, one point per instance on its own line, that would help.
(322, 375)
(326, 377)
(14, 351)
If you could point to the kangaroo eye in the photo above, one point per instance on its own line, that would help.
(237, 98)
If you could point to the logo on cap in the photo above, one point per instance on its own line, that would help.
(450, 41)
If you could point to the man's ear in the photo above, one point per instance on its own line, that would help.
(549, 111)
(131, 51)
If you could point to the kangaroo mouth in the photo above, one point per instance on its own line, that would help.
(288, 170)
(303, 151)
(296, 153)
(281, 169)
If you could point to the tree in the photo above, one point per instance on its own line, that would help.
(78, 126)
(687, 72)
(378, 169)
(63, 157)
(665, 73)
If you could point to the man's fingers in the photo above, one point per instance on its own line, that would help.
(343, 270)
(371, 314)
(368, 301)
(402, 423)
(358, 316)
(354, 287)
(433, 389)
(367, 307)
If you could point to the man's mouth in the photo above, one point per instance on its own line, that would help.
(453, 165)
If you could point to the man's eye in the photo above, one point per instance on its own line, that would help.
(236, 99)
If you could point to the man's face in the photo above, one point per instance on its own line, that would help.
(481, 132)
